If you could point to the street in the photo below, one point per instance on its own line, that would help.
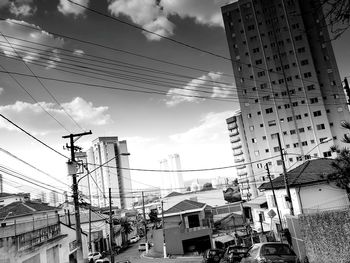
(133, 255)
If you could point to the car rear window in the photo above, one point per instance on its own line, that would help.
(276, 249)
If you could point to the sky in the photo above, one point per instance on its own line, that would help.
(68, 69)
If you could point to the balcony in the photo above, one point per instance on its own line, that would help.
(193, 229)
(242, 173)
(235, 139)
(236, 146)
(234, 132)
(237, 152)
(239, 159)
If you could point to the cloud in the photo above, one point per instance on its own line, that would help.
(154, 15)
(78, 52)
(31, 33)
(192, 91)
(68, 8)
(4, 3)
(1, 90)
(146, 13)
(37, 121)
(22, 8)
(212, 126)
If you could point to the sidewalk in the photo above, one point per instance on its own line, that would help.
(173, 258)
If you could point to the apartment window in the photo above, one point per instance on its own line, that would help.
(193, 221)
(295, 104)
(274, 136)
(297, 76)
(295, 26)
(298, 38)
(298, 117)
(301, 50)
(269, 110)
(320, 127)
(317, 113)
(254, 38)
(289, 78)
(263, 86)
(286, 106)
(292, 132)
(327, 154)
(336, 96)
(284, 93)
(280, 81)
(257, 153)
(302, 102)
(304, 62)
(264, 138)
(309, 128)
(272, 123)
(276, 149)
(279, 162)
(285, 133)
(306, 114)
(259, 112)
(331, 124)
(256, 50)
(312, 141)
(261, 73)
(251, 128)
(250, 27)
(267, 150)
(307, 75)
(254, 89)
(311, 87)
(256, 100)
(313, 100)
(301, 130)
(287, 146)
(295, 145)
(259, 165)
(266, 98)
(278, 68)
(289, 119)
(254, 140)
(304, 143)
(258, 62)
(249, 115)
(261, 125)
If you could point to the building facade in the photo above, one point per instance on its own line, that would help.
(287, 82)
(172, 181)
(108, 164)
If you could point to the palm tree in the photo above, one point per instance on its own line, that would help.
(126, 229)
(342, 163)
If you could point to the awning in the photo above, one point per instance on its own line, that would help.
(256, 202)
(224, 239)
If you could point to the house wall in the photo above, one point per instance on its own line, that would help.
(266, 224)
(213, 198)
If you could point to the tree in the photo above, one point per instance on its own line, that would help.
(125, 228)
(153, 216)
(207, 186)
(342, 163)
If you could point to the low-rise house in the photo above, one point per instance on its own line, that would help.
(187, 227)
(8, 198)
(32, 232)
(310, 190)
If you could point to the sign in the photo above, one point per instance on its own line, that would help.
(271, 213)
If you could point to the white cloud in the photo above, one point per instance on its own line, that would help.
(68, 8)
(212, 126)
(191, 92)
(78, 52)
(146, 13)
(153, 15)
(36, 120)
(22, 8)
(34, 34)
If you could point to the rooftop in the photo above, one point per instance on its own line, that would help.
(185, 205)
(310, 172)
(24, 208)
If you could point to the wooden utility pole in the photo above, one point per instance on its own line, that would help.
(72, 168)
(144, 220)
(111, 230)
(164, 243)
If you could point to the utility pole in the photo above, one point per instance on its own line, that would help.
(286, 183)
(274, 195)
(111, 230)
(73, 171)
(88, 178)
(144, 221)
(164, 243)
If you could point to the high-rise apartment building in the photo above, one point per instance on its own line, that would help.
(172, 181)
(109, 169)
(287, 83)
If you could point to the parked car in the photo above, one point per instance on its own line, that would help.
(213, 255)
(94, 256)
(124, 261)
(142, 246)
(104, 260)
(234, 254)
(270, 252)
(134, 239)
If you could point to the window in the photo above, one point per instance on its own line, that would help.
(311, 87)
(257, 153)
(264, 138)
(266, 98)
(298, 117)
(289, 119)
(193, 221)
(267, 150)
(272, 123)
(295, 145)
(313, 100)
(269, 110)
(301, 130)
(249, 115)
(307, 75)
(254, 140)
(279, 162)
(258, 62)
(295, 104)
(292, 132)
(304, 62)
(261, 125)
(309, 128)
(327, 154)
(280, 81)
(251, 128)
(259, 165)
(250, 27)
(298, 38)
(276, 149)
(263, 86)
(256, 50)
(261, 73)
(286, 106)
(274, 136)
(301, 50)
(259, 112)
(317, 113)
(320, 127)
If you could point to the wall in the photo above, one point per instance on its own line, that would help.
(213, 198)
(326, 236)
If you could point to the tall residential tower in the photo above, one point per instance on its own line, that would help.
(287, 82)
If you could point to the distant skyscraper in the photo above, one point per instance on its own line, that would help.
(113, 174)
(172, 181)
(53, 198)
(287, 83)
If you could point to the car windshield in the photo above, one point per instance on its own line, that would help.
(96, 253)
(276, 249)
